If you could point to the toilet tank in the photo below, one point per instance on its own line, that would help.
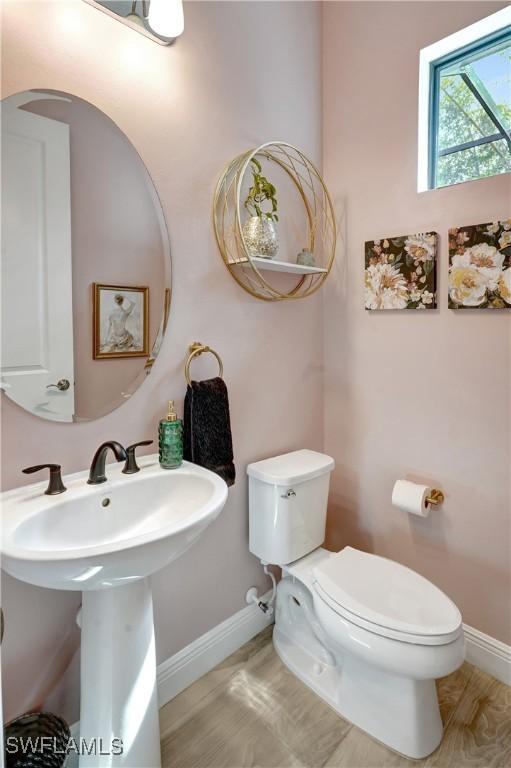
(288, 498)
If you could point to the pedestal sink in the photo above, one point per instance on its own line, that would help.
(105, 540)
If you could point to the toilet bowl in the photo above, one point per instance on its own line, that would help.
(367, 634)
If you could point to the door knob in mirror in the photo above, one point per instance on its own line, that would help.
(62, 384)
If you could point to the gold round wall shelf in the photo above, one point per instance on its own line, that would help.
(254, 273)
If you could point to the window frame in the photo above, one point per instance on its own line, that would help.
(467, 41)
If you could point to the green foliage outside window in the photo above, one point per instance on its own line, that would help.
(462, 119)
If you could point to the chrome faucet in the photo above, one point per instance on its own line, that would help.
(97, 468)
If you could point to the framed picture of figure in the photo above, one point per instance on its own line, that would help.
(120, 321)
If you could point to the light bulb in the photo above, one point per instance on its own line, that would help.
(166, 17)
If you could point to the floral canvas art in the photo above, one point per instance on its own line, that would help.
(480, 266)
(400, 272)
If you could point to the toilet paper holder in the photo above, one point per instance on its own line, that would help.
(435, 498)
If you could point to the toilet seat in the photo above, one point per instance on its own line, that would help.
(386, 598)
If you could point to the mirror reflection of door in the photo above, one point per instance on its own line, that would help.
(37, 312)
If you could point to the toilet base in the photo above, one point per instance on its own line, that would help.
(400, 712)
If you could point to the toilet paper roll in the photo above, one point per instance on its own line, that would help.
(411, 497)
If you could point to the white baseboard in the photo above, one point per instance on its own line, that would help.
(195, 660)
(188, 665)
(490, 655)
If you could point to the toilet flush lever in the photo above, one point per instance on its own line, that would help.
(288, 494)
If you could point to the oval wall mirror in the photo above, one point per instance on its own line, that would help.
(86, 272)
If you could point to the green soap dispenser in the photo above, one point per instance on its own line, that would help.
(170, 439)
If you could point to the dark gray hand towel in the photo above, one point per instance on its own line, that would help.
(207, 428)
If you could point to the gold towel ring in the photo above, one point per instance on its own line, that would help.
(197, 349)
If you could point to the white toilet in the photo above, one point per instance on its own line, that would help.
(367, 634)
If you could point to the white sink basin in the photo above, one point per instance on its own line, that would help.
(99, 536)
(105, 540)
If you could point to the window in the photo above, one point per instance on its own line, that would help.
(465, 104)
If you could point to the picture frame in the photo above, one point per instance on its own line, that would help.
(400, 272)
(120, 321)
(480, 266)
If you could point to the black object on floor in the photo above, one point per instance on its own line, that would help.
(36, 740)
(207, 428)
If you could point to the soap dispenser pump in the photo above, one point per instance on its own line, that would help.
(170, 439)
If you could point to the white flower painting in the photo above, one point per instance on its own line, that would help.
(480, 266)
(400, 272)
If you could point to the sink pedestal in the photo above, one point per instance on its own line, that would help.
(118, 678)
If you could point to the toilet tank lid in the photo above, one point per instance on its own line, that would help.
(289, 468)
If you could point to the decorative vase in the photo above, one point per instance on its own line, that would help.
(260, 237)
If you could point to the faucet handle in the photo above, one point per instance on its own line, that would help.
(131, 465)
(55, 485)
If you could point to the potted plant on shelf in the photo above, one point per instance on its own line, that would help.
(259, 232)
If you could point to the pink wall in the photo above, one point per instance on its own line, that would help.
(423, 395)
(116, 240)
(405, 394)
(188, 110)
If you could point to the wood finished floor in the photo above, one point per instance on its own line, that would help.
(251, 711)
